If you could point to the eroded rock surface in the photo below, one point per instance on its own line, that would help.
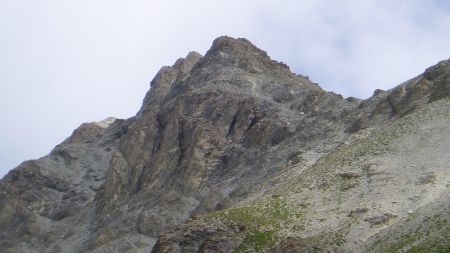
(232, 151)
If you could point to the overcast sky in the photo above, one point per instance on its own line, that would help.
(65, 62)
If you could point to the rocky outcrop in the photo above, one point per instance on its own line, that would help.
(219, 127)
(47, 204)
(204, 164)
(384, 106)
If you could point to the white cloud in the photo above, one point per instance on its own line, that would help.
(65, 62)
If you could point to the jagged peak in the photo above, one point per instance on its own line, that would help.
(166, 77)
(185, 64)
(104, 123)
(222, 131)
(240, 52)
(88, 131)
(229, 44)
(442, 67)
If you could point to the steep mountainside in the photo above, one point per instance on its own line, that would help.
(231, 151)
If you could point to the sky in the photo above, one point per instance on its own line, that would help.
(65, 62)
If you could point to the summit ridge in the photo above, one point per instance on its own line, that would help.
(231, 151)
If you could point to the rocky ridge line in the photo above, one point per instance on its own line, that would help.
(215, 132)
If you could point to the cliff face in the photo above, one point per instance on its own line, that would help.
(253, 156)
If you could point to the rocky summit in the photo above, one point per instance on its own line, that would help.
(232, 152)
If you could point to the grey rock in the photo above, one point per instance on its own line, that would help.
(380, 219)
(221, 133)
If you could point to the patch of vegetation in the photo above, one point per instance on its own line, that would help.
(349, 175)
(439, 242)
(328, 240)
(256, 241)
(435, 231)
(260, 223)
(273, 213)
(401, 243)
(433, 246)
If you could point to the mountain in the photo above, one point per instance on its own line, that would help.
(231, 151)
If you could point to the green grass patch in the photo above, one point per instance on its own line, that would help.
(273, 213)
(260, 223)
(256, 241)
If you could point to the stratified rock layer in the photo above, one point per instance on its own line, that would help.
(232, 151)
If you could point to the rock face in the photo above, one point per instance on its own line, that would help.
(232, 151)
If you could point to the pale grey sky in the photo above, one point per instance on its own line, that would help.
(65, 62)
